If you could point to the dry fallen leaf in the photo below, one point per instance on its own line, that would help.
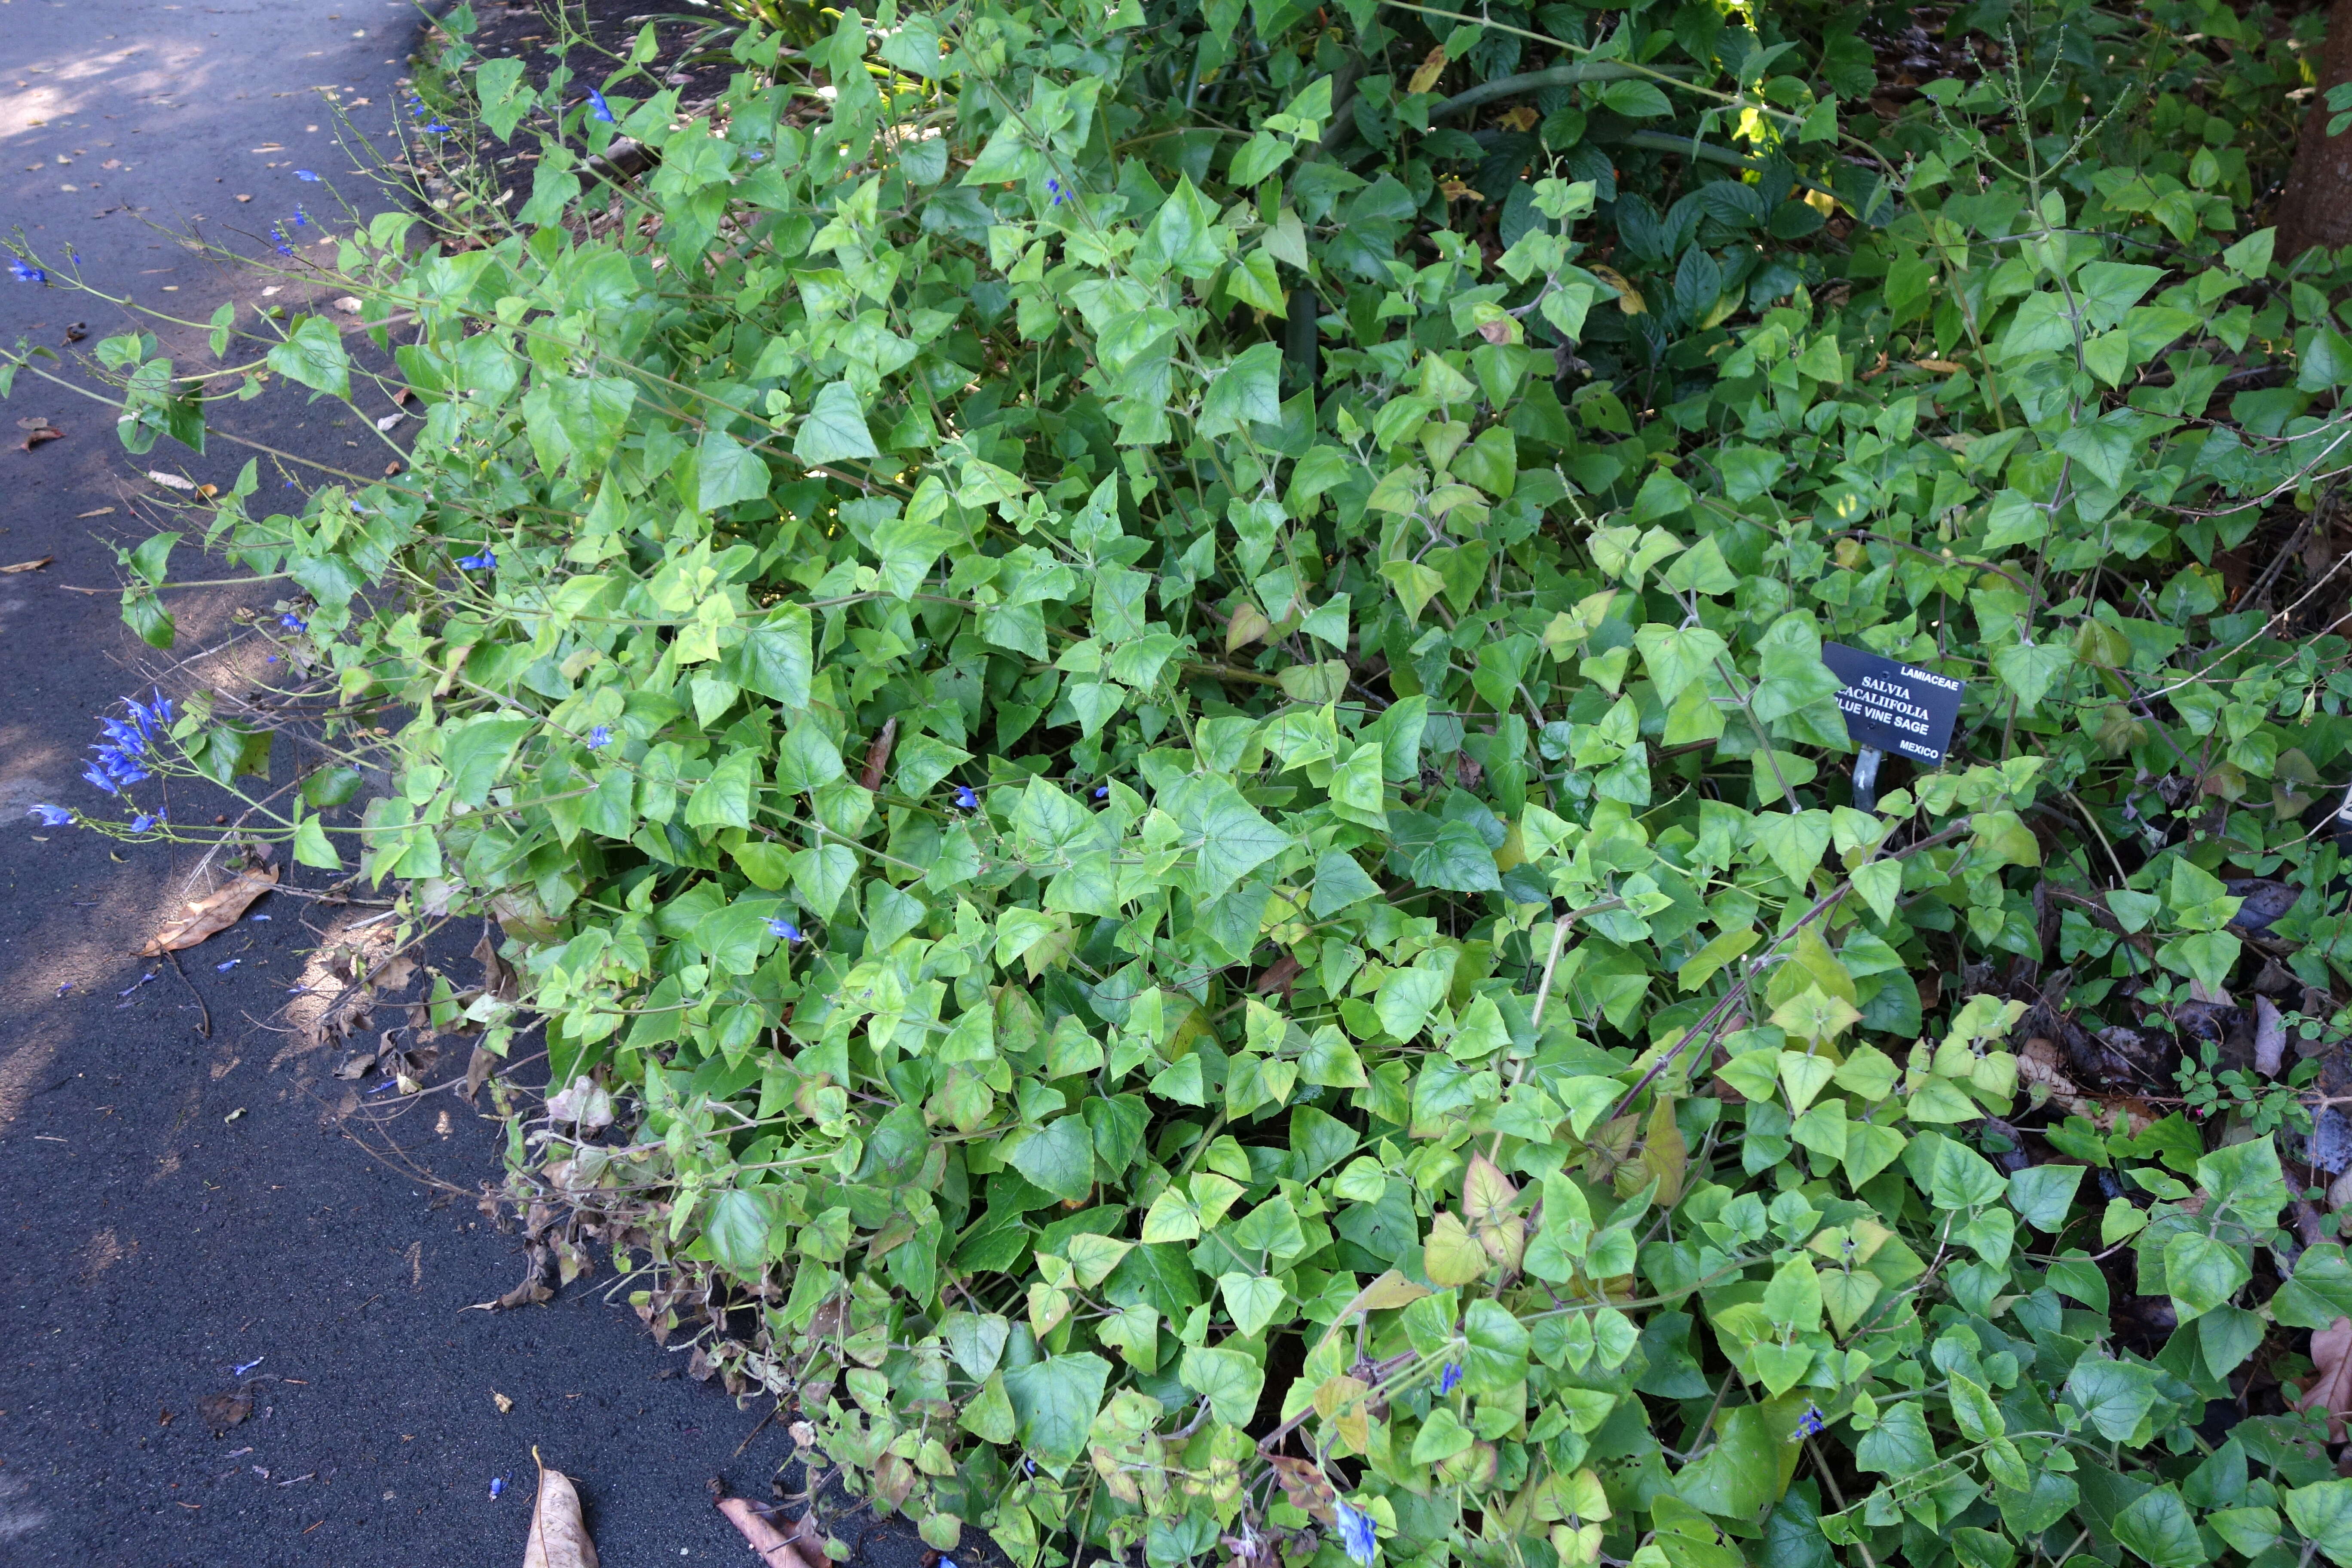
(2331, 1353)
(479, 1068)
(27, 565)
(216, 911)
(502, 1401)
(226, 1409)
(40, 435)
(2269, 1029)
(171, 481)
(769, 1543)
(559, 1537)
(878, 755)
(101, 511)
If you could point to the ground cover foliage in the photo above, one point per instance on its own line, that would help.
(1140, 688)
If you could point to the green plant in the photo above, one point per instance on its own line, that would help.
(1192, 813)
(2210, 1090)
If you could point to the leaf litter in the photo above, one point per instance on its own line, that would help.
(559, 1535)
(214, 912)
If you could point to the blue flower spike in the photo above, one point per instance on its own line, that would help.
(600, 737)
(27, 274)
(488, 561)
(785, 930)
(965, 799)
(1061, 192)
(1450, 1379)
(52, 816)
(1811, 1424)
(598, 109)
(1356, 1535)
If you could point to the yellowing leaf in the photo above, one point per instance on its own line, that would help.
(1425, 75)
(1451, 1256)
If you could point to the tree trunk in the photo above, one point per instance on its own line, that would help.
(2316, 208)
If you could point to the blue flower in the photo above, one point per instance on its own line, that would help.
(306, 174)
(284, 246)
(1061, 194)
(1811, 1424)
(965, 799)
(488, 561)
(26, 274)
(293, 622)
(127, 738)
(498, 1485)
(598, 109)
(117, 764)
(781, 927)
(230, 964)
(600, 737)
(145, 821)
(1356, 1534)
(1450, 1379)
(300, 217)
(52, 816)
(1102, 792)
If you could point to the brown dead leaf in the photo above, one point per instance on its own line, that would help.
(497, 979)
(41, 434)
(1248, 625)
(479, 1068)
(2331, 1390)
(225, 1409)
(559, 1536)
(32, 422)
(504, 1402)
(1522, 117)
(27, 565)
(878, 755)
(767, 1542)
(216, 911)
(395, 977)
(1281, 975)
(1305, 1486)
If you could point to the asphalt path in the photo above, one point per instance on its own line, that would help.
(180, 1205)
